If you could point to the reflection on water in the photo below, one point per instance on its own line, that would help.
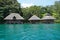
(29, 31)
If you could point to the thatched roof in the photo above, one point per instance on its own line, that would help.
(48, 16)
(34, 17)
(10, 17)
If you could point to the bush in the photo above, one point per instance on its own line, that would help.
(57, 21)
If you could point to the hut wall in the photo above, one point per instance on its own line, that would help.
(14, 21)
(48, 21)
(34, 21)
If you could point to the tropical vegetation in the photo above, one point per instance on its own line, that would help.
(10, 6)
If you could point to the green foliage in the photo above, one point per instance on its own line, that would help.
(57, 21)
(33, 10)
(9, 6)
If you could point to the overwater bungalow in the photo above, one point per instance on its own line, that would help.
(14, 18)
(48, 19)
(34, 19)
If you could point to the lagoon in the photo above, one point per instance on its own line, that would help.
(29, 31)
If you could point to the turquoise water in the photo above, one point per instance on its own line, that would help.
(29, 31)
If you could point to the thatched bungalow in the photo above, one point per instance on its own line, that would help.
(48, 19)
(14, 18)
(34, 19)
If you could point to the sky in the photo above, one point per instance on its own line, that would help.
(28, 3)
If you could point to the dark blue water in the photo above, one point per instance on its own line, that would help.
(29, 31)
